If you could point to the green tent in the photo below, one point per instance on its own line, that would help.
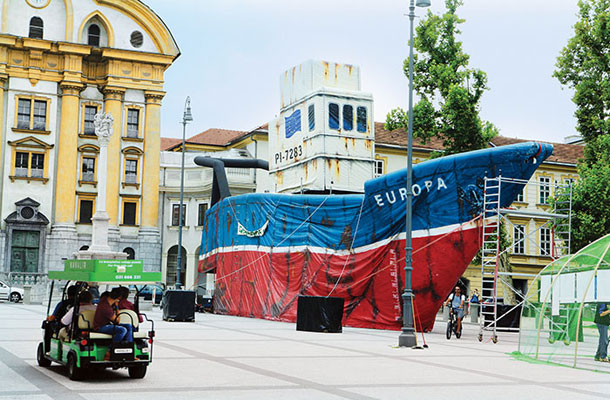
(557, 315)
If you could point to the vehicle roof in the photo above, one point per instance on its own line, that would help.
(106, 272)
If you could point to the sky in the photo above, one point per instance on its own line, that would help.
(234, 51)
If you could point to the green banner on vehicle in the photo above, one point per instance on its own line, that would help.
(108, 271)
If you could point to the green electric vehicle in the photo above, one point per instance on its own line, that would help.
(80, 348)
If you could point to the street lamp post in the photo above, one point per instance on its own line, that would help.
(186, 118)
(407, 336)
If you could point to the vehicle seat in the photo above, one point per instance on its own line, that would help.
(85, 322)
(131, 317)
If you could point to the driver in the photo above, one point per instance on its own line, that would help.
(457, 300)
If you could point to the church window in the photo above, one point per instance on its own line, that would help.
(88, 169)
(137, 39)
(88, 120)
(133, 122)
(32, 114)
(131, 171)
(93, 35)
(130, 211)
(85, 210)
(36, 28)
(29, 157)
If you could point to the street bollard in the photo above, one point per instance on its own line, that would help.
(474, 313)
(27, 294)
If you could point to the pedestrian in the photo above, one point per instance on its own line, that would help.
(474, 298)
(602, 320)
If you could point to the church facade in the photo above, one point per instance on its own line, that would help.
(62, 62)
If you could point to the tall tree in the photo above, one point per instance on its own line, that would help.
(449, 92)
(584, 66)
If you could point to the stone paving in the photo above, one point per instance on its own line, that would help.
(220, 357)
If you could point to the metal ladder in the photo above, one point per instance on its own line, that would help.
(490, 252)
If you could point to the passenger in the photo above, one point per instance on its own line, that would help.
(125, 304)
(62, 307)
(84, 299)
(106, 319)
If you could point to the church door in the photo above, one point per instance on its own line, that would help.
(24, 251)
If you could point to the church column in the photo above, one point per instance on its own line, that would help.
(67, 154)
(113, 104)
(151, 160)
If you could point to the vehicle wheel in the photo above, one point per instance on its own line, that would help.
(42, 360)
(449, 329)
(480, 337)
(137, 372)
(74, 372)
(15, 297)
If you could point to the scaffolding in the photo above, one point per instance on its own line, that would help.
(556, 229)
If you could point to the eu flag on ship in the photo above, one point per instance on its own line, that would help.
(293, 123)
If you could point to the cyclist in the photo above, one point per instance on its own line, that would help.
(457, 300)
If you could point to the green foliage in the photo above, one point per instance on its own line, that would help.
(590, 205)
(584, 66)
(448, 90)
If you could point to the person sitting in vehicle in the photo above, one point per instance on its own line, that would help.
(84, 300)
(457, 300)
(62, 307)
(124, 303)
(106, 318)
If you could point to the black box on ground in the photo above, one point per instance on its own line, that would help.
(178, 305)
(319, 314)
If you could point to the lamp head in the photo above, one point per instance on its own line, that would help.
(422, 3)
(188, 116)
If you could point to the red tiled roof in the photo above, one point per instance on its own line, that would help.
(168, 143)
(563, 153)
(216, 137)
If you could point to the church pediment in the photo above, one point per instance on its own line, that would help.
(30, 141)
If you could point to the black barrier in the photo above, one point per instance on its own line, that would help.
(319, 314)
(178, 305)
(510, 314)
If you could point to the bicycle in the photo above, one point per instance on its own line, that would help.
(452, 326)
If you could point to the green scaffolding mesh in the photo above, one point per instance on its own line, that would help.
(557, 318)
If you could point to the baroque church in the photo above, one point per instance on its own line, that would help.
(62, 62)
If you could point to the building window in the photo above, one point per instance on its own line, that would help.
(379, 167)
(361, 119)
(545, 189)
(203, 207)
(130, 210)
(545, 241)
(176, 214)
(37, 167)
(36, 28)
(88, 169)
(32, 121)
(348, 117)
(29, 164)
(22, 164)
(136, 39)
(85, 211)
(133, 122)
(519, 239)
(88, 120)
(93, 35)
(333, 116)
(520, 196)
(311, 112)
(131, 253)
(131, 171)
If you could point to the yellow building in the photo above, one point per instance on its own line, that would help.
(61, 62)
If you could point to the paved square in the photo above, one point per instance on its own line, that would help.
(220, 357)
